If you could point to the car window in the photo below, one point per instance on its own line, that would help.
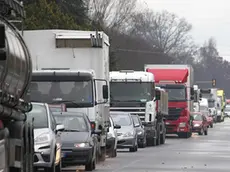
(53, 121)
(40, 116)
(197, 117)
(73, 122)
(121, 119)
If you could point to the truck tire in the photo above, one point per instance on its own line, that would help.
(114, 153)
(158, 137)
(102, 155)
(163, 135)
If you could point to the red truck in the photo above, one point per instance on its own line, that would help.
(178, 81)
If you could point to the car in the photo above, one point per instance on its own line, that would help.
(209, 119)
(47, 142)
(200, 123)
(78, 141)
(111, 142)
(141, 134)
(127, 135)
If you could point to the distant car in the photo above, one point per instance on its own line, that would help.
(127, 135)
(78, 143)
(47, 142)
(209, 119)
(200, 123)
(141, 134)
(111, 142)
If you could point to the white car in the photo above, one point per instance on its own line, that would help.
(111, 143)
(47, 142)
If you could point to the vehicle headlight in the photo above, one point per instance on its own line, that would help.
(81, 145)
(129, 134)
(109, 135)
(139, 132)
(182, 124)
(196, 125)
(42, 139)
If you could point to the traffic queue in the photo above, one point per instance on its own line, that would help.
(83, 113)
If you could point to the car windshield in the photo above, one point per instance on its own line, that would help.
(131, 91)
(175, 93)
(197, 117)
(122, 120)
(136, 120)
(211, 104)
(79, 92)
(40, 116)
(73, 123)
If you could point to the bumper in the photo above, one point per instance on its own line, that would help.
(43, 158)
(196, 129)
(173, 128)
(126, 143)
(79, 156)
(110, 143)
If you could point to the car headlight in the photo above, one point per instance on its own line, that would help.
(139, 132)
(196, 125)
(81, 145)
(129, 134)
(42, 139)
(182, 124)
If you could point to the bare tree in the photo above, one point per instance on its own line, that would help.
(165, 31)
(111, 14)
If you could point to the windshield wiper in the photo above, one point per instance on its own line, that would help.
(71, 130)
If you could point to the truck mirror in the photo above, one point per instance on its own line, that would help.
(158, 95)
(2, 43)
(192, 91)
(105, 90)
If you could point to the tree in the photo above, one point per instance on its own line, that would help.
(110, 14)
(47, 15)
(165, 31)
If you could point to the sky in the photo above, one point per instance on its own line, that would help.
(209, 18)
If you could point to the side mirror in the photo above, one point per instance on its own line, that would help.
(98, 132)
(105, 90)
(60, 127)
(2, 42)
(158, 95)
(192, 91)
(117, 126)
(136, 125)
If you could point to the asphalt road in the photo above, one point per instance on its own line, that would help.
(197, 154)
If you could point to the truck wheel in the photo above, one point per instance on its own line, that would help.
(163, 138)
(114, 153)
(158, 138)
(102, 156)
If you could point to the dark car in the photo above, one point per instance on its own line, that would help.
(78, 143)
(141, 134)
(200, 123)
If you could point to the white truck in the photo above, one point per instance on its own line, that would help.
(197, 98)
(16, 132)
(134, 92)
(211, 95)
(72, 67)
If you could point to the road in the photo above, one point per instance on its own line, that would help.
(197, 154)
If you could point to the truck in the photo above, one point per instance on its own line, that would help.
(211, 95)
(72, 67)
(222, 99)
(178, 81)
(134, 92)
(16, 133)
(197, 98)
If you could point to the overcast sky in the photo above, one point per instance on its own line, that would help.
(210, 18)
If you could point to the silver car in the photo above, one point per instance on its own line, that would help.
(127, 135)
(47, 144)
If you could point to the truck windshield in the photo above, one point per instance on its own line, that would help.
(131, 91)
(79, 92)
(211, 104)
(175, 93)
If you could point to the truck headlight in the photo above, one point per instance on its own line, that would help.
(81, 145)
(182, 124)
(42, 139)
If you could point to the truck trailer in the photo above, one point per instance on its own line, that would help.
(16, 133)
(178, 81)
(72, 67)
(134, 92)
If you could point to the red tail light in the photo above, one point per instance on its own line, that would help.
(93, 125)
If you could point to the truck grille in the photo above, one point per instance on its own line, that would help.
(140, 111)
(174, 113)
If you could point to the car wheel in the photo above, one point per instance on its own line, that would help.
(201, 131)
(206, 132)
